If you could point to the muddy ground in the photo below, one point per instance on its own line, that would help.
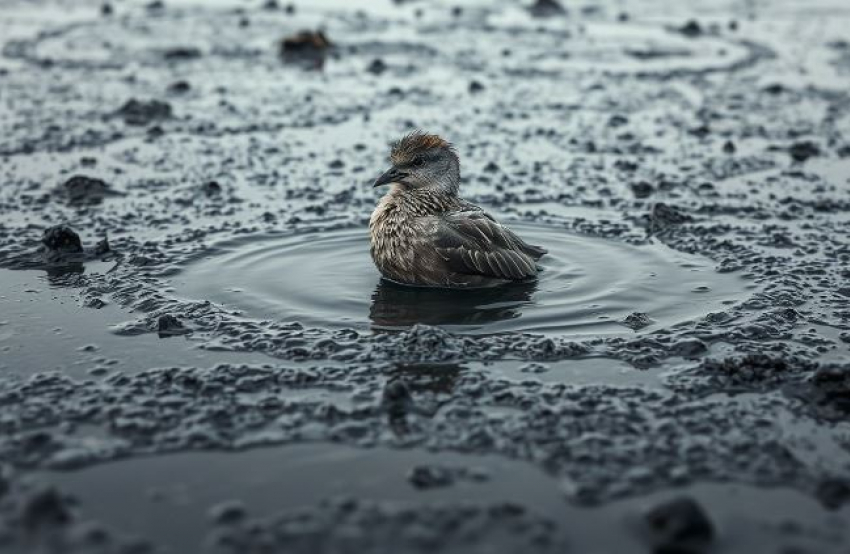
(197, 356)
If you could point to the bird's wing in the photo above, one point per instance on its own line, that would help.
(473, 243)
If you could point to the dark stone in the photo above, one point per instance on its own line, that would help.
(546, 8)
(691, 29)
(637, 320)
(833, 492)
(310, 46)
(211, 189)
(377, 66)
(664, 215)
(429, 477)
(729, 147)
(802, 151)
(617, 120)
(475, 86)
(680, 526)
(61, 238)
(491, 167)
(169, 326)
(642, 189)
(179, 87)
(102, 247)
(182, 53)
(81, 189)
(140, 113)
(45, 508)
(227, 513)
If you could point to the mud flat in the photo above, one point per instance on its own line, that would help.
(191, 330)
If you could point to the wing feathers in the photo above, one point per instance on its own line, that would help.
(472, 243)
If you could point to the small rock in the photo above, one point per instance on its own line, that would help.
(61, 238)
(211, 189)
(833, 492)
(546, 8)
(141, 113)
(679, 525)
(169, 326)
(81, 189)
(310, 46)
(429, 477)
(637, 321)
(617, 120)
(475, 87)
(179, 87)
(642, 189)
(691, 29)
(181, 53)
(802, 151)
(227, 513)
(44, 508)
(377, 66)
(729, 147)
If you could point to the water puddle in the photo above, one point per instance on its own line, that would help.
(588, 285)
(176, 500)
(43, 328)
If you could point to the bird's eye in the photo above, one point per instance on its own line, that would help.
(418, 162)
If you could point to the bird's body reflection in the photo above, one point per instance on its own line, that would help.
(396, 306)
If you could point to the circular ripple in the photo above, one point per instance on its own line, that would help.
(588, 285)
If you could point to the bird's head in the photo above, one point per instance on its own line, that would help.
(423, 161)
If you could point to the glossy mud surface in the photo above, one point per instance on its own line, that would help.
(218, 367)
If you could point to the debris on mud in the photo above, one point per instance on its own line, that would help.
(691, 29)
(637, 321)
(679, 525)
(170, 326)
(802, 151)
(144, 112)
(81, 189)
(306, 47)
(546, 8)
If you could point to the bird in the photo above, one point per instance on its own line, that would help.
(424, 234)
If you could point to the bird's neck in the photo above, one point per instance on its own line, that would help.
(413, 202)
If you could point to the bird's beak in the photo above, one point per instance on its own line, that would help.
(392, 175)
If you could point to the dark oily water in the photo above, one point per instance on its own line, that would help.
(327, 279)
(332, 498)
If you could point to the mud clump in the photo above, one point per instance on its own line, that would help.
(140, 113)
(833, 492)
(181, 53)
(663, 215)
(637, 321)
(802, 151)
(691, 29)
(546, 8)
(81, 189)
(828, 391)
(61, 239)
(309, 48)
(169, 326)
(679, 526)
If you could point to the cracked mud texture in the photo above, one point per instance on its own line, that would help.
(150, 403)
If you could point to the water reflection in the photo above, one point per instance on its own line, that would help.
(417, 389)
(396, 306)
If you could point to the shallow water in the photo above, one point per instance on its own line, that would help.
(588, 285)
(176, 497)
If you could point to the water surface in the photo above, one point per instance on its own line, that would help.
(588, 285)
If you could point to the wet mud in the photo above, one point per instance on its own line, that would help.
(191, 329)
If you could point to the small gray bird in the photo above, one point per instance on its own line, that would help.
(424, 234)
